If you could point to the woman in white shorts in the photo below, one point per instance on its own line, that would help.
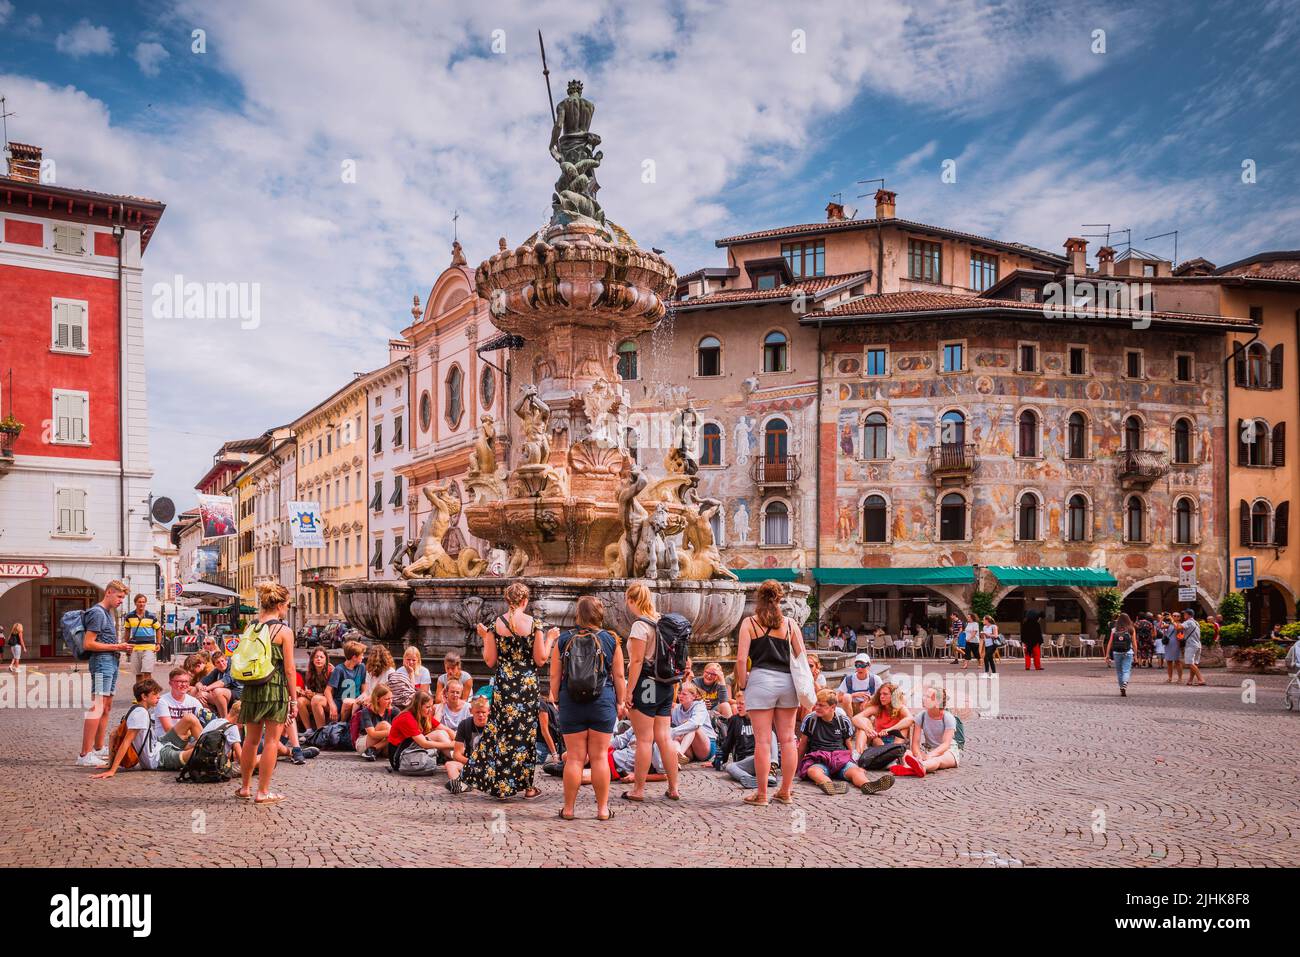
(17, 645)
(763, 681)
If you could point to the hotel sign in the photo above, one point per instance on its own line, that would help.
(23, 569)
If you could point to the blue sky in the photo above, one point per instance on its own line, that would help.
(245, 141)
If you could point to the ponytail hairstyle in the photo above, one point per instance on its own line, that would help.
(516, 595)
(641, 599)
(767, 601)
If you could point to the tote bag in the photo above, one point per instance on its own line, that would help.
(804, 686)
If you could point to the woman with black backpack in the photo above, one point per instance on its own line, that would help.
(647, 702)
(1119, 648)
(587, 683)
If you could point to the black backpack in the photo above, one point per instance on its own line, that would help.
(330, 737)
(1121, 642)
(672, 647)
(209, 763)
(585, 668)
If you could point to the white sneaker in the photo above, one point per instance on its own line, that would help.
(101, 753)
(91, 760)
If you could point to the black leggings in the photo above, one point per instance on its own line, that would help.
(990, 663)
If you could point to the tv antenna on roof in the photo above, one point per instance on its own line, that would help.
(1105, 235)
(880, 180)
(4, 120)
(1173, 233)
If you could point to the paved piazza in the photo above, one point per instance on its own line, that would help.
(1068, 774)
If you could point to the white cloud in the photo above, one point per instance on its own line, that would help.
(436, 122)
(85, 39)
(149, 56)
(6, 11)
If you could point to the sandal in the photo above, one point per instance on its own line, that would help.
(565, 817)
(753, 800)
(672, 796)
(244, 796)
(783, 798)
(609, 815)
(531, 793)
(627, 796)
(269, 799)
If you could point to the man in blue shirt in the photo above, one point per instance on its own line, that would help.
(101, 641)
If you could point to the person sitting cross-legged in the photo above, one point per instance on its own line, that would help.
(934, 743)
(825, 751)
(692, 726)
(468, 733)
(736, 750)
(374, 720)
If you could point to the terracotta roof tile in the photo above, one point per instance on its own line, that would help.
(811, 286)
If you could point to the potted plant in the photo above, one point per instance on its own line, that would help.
(1255, 659)
(9, 429)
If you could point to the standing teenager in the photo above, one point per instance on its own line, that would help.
(588, 724)
(100, 640)
(767, 640)
(17, 645)
(990, 643)
(1120, 648)
(265, 707)
(142, 631)
(515, 647)
(649, 703)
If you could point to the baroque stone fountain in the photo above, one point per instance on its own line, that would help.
(576, 515)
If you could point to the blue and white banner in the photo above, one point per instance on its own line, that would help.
(307, 527)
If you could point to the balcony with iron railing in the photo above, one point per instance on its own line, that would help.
(1140, 467)
(776, 470)
(321, 575)
(952, 462)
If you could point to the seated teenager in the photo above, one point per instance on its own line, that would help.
(858, 685)
(712, 686)
(550, 743)
(172, 751)
(454, 708)
(379, 665)
(934, 738)
(884, 720)
(313, 704)
(417, 729)
(825, 751)
(198, 666)
(452, 671)
(140, 735)
(223, 689)
(344, 691)
(691, 728)
(175, 703)
(405, 681)
(374, 721)
(467, 735)
(736, 749)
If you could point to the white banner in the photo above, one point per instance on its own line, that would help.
(307, 527)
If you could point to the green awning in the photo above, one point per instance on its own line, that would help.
(1048, 576)
(763, 574)
(919, 575)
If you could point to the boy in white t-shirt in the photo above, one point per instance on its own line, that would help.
(177, 703)
(139, 722)
(972, 641)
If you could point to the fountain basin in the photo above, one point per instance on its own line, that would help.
(379, 610)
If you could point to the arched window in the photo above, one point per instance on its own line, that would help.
(1184, 517)
(1183, 442)
(776, 524)
(952, 518)
(1254, 452)
(627, 360)
(1028, 434)
(1027, 520)
(952, 428)
(709, 357)
(1261, 515)
(875, 436)
(487, 387)
(776, 441)
(426, 411)
(1132, 433)
(455, 403)
(775, 353)
(875, 523)
(1078, 436)
(1257, 366)
(1076, 525)
(711, 444)
(1134, 520)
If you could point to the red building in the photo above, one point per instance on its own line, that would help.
(74, 480)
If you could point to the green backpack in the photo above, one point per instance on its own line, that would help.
(252, 664)
(959, 735)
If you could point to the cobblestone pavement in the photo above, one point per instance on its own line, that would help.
(1068, 773)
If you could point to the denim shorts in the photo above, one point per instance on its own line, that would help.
(103, 674)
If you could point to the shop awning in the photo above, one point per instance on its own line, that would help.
(202, 589)
(919, 575)
(1049, 576)
(763, 574)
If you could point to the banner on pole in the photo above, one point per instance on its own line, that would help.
(305, 523)
(218, 515)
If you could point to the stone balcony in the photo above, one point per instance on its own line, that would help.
(952, 463)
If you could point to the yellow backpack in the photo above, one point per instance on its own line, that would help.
(251, 663)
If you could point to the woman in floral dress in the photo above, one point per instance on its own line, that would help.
(502, 763)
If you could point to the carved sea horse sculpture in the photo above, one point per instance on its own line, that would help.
(433, 560)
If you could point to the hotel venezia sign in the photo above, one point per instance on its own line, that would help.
(23, 569)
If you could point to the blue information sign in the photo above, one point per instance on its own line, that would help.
(1243, 570)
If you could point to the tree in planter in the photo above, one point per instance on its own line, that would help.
(1108, 604)
(981, 604)
(1233, 608)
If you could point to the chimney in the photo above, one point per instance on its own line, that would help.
(24, 162)
(834, 212)
(1106, 261)
(1076, 250)
(885, 204)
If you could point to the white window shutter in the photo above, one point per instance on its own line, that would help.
(62, 425)
(62, 326)
(79, 511)
(77, 325)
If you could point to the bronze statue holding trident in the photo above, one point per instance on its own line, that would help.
(573, 146)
